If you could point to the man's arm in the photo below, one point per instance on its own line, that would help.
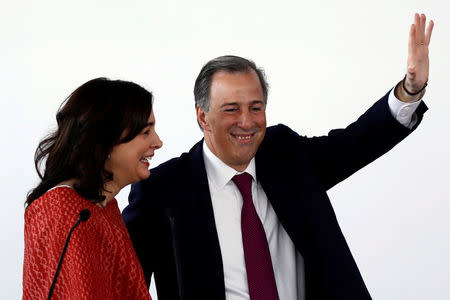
(411, 88)
(344, 151)
(407, 93)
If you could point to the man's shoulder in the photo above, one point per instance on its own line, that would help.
(177, 165)
(279, 133)
(170, 177)
(277, 129)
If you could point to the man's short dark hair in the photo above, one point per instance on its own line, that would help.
(227, 63)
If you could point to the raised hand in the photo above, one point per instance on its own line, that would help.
(418, 61)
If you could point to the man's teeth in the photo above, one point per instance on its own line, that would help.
(243, 137)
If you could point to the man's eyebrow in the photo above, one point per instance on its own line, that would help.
(229, 104)
(257, 102)
(235, 103)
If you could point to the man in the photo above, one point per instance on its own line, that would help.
(245, 214)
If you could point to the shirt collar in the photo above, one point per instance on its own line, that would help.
(220, 173)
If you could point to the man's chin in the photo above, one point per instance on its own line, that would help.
(242, 159)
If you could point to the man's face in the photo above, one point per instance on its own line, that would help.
(235, 125)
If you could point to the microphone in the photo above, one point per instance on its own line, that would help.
(83, 216)
(176, 253)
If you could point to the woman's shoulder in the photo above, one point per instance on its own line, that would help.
(60, 202)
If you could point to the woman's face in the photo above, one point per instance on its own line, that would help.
(129, 162)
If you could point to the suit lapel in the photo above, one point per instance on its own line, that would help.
(202, 266)
(283, 182)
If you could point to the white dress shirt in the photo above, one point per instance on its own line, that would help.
(227, 204)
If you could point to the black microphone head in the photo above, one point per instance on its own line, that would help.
(84, 215)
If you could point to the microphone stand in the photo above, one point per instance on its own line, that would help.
(83, 216)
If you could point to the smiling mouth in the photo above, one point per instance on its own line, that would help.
(243, 138)
(146, 159)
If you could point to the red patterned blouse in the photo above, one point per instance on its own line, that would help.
(100, 261)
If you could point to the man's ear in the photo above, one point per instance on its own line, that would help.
(202, 118)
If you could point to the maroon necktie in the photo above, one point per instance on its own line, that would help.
(260, 276)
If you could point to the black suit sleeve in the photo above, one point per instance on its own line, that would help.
(342, 152)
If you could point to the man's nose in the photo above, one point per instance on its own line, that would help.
(246, 120)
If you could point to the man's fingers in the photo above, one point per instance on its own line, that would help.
(423, 22)
(417, 28)
(429, 31)
(412, 37)
(420, 34)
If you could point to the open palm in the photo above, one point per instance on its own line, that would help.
(418, 61)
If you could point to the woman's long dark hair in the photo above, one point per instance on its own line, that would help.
(96, 116)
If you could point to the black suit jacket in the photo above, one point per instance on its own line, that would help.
(171, 221)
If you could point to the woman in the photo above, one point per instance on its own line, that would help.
(104, 141)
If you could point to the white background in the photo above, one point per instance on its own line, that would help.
(326, 62)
